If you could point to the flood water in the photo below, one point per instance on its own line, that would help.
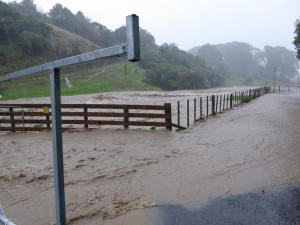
(209, 172)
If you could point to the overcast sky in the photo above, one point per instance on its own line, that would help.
(190, 23)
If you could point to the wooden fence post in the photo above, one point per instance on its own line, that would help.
(12, 120)
(178, 113)
(235, 99)
(188, 113)
(46, 112)
(227, 102)
(48, 121)
(220, 103)
(200, 107)
(217, 103)
(207, 106)
(213, 104)
(126, 117)
(195, 104)
(242, 97)
(168, 113)
(231, 100)
(85, 110)
(224, 99)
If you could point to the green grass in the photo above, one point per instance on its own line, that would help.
(84, 81)
(244, 81)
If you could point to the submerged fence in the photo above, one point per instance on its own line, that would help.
(36, 117)
(277, 89)
(201, 108)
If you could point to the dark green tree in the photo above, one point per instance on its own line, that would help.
(296, 41)
(171, 68)
(62, 17)
(13, 24)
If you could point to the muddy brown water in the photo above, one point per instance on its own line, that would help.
(110, 175)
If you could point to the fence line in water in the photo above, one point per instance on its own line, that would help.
(215, 104)
(87, 115)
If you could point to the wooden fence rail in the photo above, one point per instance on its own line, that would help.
(36, 117)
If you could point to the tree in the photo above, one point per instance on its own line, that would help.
(170, 68)
(28, 7)
(212, 57)
(296, 41)
(13, 23)
(285, 61)
(240, 59)
(62, 17)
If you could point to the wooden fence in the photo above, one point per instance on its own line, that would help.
(36, 117)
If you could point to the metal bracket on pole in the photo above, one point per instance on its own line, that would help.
(3, 219)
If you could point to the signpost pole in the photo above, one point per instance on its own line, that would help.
(57, 146)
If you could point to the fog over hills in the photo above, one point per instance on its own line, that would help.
(245, 60)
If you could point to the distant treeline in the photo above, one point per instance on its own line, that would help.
(242, 59)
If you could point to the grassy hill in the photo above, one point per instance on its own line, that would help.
(107, 75)
(26, 41)
(84, 81)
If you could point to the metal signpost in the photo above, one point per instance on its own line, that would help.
(131, 48)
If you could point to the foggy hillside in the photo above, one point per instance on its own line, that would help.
(244, 60)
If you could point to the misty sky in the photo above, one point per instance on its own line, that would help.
(190, 23)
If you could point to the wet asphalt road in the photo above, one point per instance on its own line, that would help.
(260, 207)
